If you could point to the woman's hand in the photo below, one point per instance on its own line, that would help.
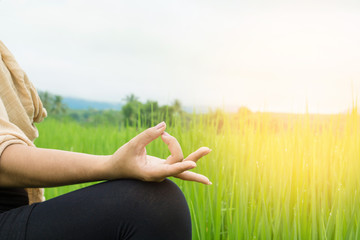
(131, 161)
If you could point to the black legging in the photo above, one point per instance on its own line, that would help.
(121, 209)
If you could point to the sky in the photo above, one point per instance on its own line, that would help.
(266, 55)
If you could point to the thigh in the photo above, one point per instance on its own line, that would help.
(121, 209)
(13, 223)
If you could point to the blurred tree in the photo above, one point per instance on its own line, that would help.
(133, 112)
(131, 98)
(150, 112)
(131, 109)
(53, 104)
(177, 105)
(47, 100)
(58, 107)
(177, 108)
(244, 111)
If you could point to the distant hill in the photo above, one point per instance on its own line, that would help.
(82, 104)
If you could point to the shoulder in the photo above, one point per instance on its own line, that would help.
(20, 98)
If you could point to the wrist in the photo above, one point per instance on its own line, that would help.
(102, 169)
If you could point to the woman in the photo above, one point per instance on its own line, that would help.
(142, 205)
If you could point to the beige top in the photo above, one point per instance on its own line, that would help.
(20, 107)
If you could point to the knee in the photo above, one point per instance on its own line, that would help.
(149, 194)
(166, 192)
(155, 209)
(135, 193)
(160, 211)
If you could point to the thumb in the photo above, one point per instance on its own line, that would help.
(149, 135)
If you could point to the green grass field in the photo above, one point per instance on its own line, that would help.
(294, 178)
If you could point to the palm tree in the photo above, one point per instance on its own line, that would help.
(131, 98)
(58, 107)
(46, 99)
(131, 109)
(177, 108)
(177, 105)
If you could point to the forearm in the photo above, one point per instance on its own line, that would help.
(23, 166)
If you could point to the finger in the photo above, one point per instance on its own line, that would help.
(149, 135)
(195, 156)
(177, 168)
(174, 148)
(191, 176)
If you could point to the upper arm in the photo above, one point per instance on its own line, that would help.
(9, 132)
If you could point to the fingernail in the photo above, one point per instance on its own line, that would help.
(193, 164)
(160, 125)
(210, 183)
(165, 134)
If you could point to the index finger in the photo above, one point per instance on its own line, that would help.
(149, 135)
(174, 148)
